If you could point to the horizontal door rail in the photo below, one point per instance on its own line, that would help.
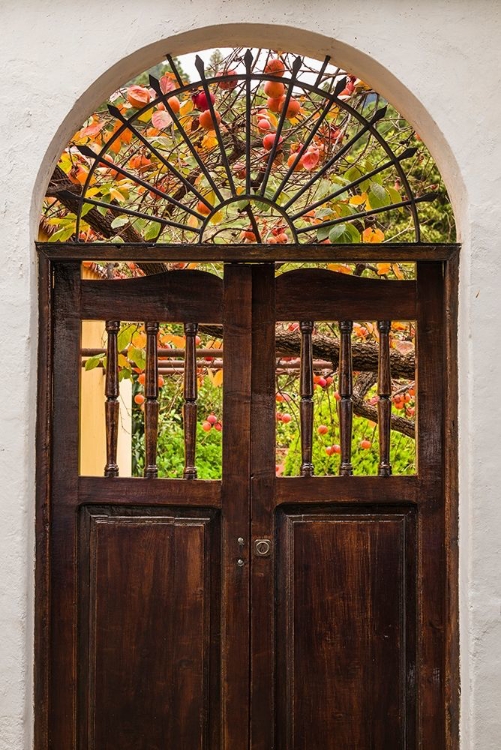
(141, 491)
(144, 252)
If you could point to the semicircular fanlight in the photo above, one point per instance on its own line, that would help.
(261, 148)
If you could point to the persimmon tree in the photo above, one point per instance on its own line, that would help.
(265, 147)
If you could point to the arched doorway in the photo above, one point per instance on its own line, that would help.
(254, 609)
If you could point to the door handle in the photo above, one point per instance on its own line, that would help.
(262, 547)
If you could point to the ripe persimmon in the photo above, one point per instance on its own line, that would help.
(206, 120)
(293, 107)
(274, 89)
(203, 209)
(275, 67)
(274, 105)
(269, 140)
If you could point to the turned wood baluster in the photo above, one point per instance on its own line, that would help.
(151, 403)
(306, 389)
(345, 392)
(384, 392)
(190, 400)
(112, 406)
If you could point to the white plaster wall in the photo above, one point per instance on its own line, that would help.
(438, 61)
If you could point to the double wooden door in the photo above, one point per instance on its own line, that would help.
(257, 611)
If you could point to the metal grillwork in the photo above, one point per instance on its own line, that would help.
(267, 149)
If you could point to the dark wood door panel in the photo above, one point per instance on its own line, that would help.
(345, 629)
(318, 294)
(204, 493)
(168, 297)
(148, 631)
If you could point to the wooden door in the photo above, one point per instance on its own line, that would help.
(348, 596)
(257, 611)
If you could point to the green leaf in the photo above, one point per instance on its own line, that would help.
(378, 196)
(336, 232)
(137, 356)
(344, 234)
(394, 195)
(62, 234)
(124, 375)
(353, 174)
(85, 209)
(93, 362)
(119, 221)
(323, 233)
(125, 336)
(344, 209)
(152, 231)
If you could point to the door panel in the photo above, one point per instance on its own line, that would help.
(148, 618)
(344, 583)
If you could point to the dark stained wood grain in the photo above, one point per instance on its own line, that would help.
(384, 393)
(140, 491)
(318, 294)
(263, 462)
(62, 729)
(151, 406)
(247, 253)
(345, 404)
(306, 393)
(431, 570)
(150, 662)
(190, 400)
(346, 630)
(42, 673)
(237, 326)
(169, 297)
(112, 392)
(452, 693)
(349, 489)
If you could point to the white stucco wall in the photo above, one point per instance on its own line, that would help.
(439, 62)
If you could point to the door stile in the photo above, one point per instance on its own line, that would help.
(65, 436)
(237, 320)
(263, 462)
(452, 695)
(431, 570)
(43, 484)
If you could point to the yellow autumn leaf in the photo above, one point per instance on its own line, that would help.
(177, 341)
(372, 235)
(271, 117)
(209, 141)
(186, 108)
(192, 221)
(397, 271)
(383, 268)
(358, 200)
(146, 116)
(218, 216)
(340, 268)
(117, 195)
(216, 378)
(139, 340)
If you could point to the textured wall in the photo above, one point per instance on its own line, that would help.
(438, 61)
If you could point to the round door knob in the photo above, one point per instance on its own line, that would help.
(262, 547)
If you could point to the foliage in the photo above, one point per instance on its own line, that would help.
(135, 155)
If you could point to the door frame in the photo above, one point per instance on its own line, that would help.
(50, 254)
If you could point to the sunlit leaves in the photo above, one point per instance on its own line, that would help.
(359, 179)
(372, 234)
